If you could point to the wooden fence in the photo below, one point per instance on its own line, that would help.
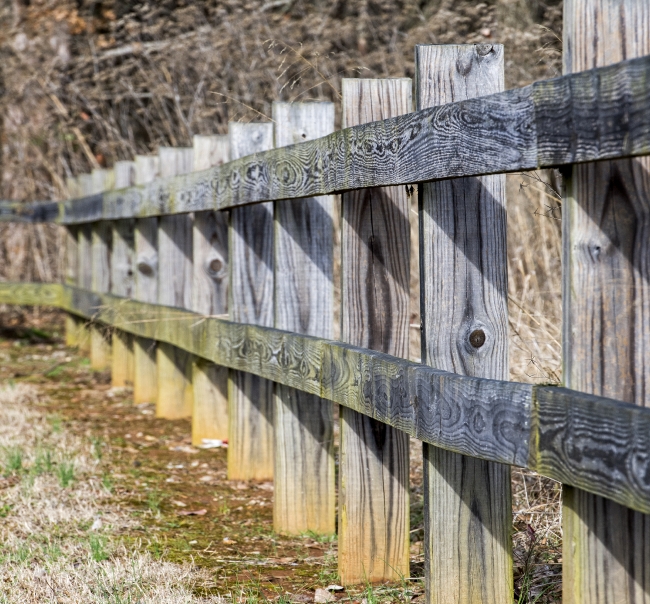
(209, 273)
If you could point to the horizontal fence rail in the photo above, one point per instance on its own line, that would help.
(588, 116)
(594, 443)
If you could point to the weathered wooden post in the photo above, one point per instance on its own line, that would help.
(71, 274)
(100, 349)
(145, 375)
(375, 254)
(464, 310)
(122, 279)
(84, 264)
(210, 297)
(250, 241)
(304, 494)
(174, 398)
(606, 331)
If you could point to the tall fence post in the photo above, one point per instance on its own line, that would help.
(101, 242)
(250, 244)
(464, 310)
(606, 331)
(304, 493)
(84, 264)
(122, 279)
(73, 324)
(375, 256)
(210, 297)
(145, 374)
(174, 399)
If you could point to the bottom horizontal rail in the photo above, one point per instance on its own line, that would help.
(597, 444)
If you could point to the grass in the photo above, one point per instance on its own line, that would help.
(65, 472)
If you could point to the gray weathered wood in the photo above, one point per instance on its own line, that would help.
(122, 280)
(210, 297)
(606, 225)
(304, 494)
(464, 310)
(145, 374)
(250, 398)
(174, 398)
(101, 244)
(605, 112)
(543, 428)
(375, 256)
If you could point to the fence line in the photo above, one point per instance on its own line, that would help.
(143, 264)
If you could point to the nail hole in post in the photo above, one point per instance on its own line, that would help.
(477, 338)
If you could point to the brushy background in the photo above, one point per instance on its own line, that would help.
(86, 83)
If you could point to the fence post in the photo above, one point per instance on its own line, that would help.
(84, 264)
(375, 254)
(122, 279)
(210, 297)
(71, 274)
(250, 243)
(145, 374)
(174, 398)
(464, 310)
(304, 494)
(100, 350)
(606, 331)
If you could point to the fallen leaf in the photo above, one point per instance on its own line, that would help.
(193, 512)
(323, 596)
(229, 541)
(335, 588)
(180, 504)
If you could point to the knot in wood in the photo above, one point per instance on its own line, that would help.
(477, 338)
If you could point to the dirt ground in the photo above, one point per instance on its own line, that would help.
(98, 495)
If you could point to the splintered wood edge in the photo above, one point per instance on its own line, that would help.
(594, 443)
(547, 124)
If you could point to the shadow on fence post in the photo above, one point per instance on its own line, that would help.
(464, 309)
(304, 493)
(606, 331)
(122, 280)
(250, 243)
(210, 297)
(375, 256)
(73, 324)
(174, 399)
(145, 373)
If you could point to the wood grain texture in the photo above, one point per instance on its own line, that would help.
(145, 373)
(210, 297)
(305, 493)
(250, 253)
(543, 428)
(210, 401)
(122, 362)
(464, 310)
(71, 277)
(375, 256)
(174, 398)
(606, 224)
(510, 131)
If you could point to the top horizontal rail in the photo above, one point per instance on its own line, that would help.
(594, 115)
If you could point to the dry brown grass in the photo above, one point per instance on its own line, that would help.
(59, 522)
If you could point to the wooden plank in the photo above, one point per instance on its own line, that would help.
(101, 245)
(375, 256)
(304, 494)
(250, 245)
(122, 280)
(515, 130)
(546, 429)
(210, 297)
(174, 397)
(145, 373)
(464, 310)
(606, 334)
